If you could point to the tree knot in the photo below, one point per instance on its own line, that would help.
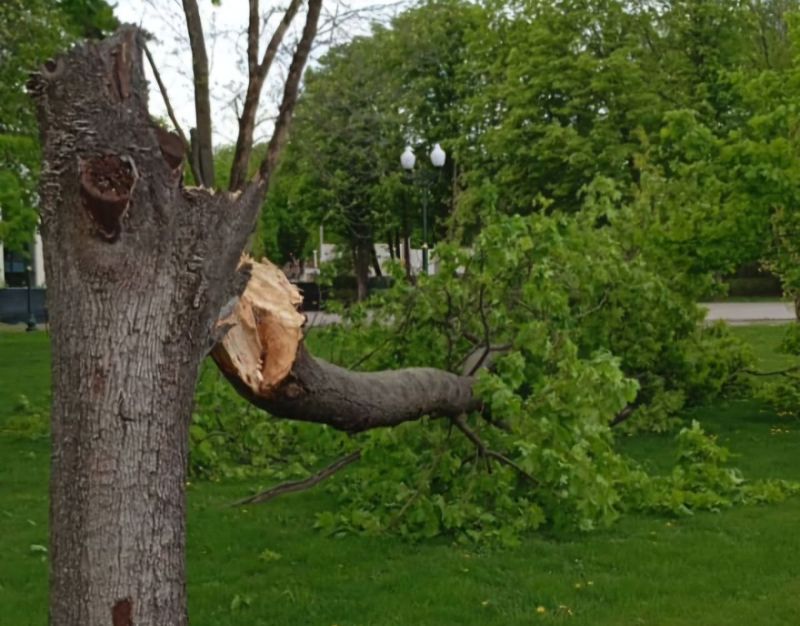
(106, 184)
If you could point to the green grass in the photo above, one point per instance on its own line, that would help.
(739, 567)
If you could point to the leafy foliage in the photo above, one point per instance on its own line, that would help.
(579, 329)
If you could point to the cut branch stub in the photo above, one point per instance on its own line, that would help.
(265, 330)
(106, 184)
(172, 148)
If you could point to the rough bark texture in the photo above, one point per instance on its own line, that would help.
(138, 268)
(317, 391)
(264, 358)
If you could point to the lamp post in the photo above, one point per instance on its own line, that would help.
(408, 160)
(31, 319)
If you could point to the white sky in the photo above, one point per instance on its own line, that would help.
(225, 32)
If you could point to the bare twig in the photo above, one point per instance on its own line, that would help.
(594, 309)
(487, 343)
(400, 330)
(301, 485)
(485, 452)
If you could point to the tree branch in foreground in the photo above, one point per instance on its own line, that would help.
(263, 356)
(301, 485)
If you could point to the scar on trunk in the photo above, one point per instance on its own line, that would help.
(121, 613)
(106, 183)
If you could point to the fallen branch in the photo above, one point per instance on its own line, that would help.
(264, 357)
(301, 485)
(622, 416)
(783, 372)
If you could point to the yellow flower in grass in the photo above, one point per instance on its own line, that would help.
(541, 610)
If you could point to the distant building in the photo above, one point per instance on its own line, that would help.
(14, 266)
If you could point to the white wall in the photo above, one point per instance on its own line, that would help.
(38, 261)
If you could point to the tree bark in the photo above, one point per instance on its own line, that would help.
(321, 392)
(138, 269)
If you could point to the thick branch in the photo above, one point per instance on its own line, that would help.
(317, 391)
(257, 76)
(202, 99)
(281, 134)
(263, 356)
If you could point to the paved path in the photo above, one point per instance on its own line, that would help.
(740, 313)
(737, 313)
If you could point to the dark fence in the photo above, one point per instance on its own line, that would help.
(343, 289)
(14, 305)
(752, 281)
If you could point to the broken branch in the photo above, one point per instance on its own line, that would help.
(301, 485)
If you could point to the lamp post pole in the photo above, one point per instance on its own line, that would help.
(424, 231)
(31, 319)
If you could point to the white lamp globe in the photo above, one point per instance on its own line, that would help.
(407, 159)
(438, 156)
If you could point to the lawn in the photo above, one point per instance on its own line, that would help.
(266, 565)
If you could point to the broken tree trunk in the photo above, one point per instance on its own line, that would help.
(138, 269)
(263, 356)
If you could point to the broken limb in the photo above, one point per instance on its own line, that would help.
(264, 357)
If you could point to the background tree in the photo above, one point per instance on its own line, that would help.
(365, 102)
(30, 32)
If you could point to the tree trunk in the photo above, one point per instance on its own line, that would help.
(376, 264)
(361, 261)
(138, 268)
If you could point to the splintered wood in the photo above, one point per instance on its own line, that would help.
(265, 330)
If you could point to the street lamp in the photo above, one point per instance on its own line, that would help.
(31, 319)
(407, 160)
